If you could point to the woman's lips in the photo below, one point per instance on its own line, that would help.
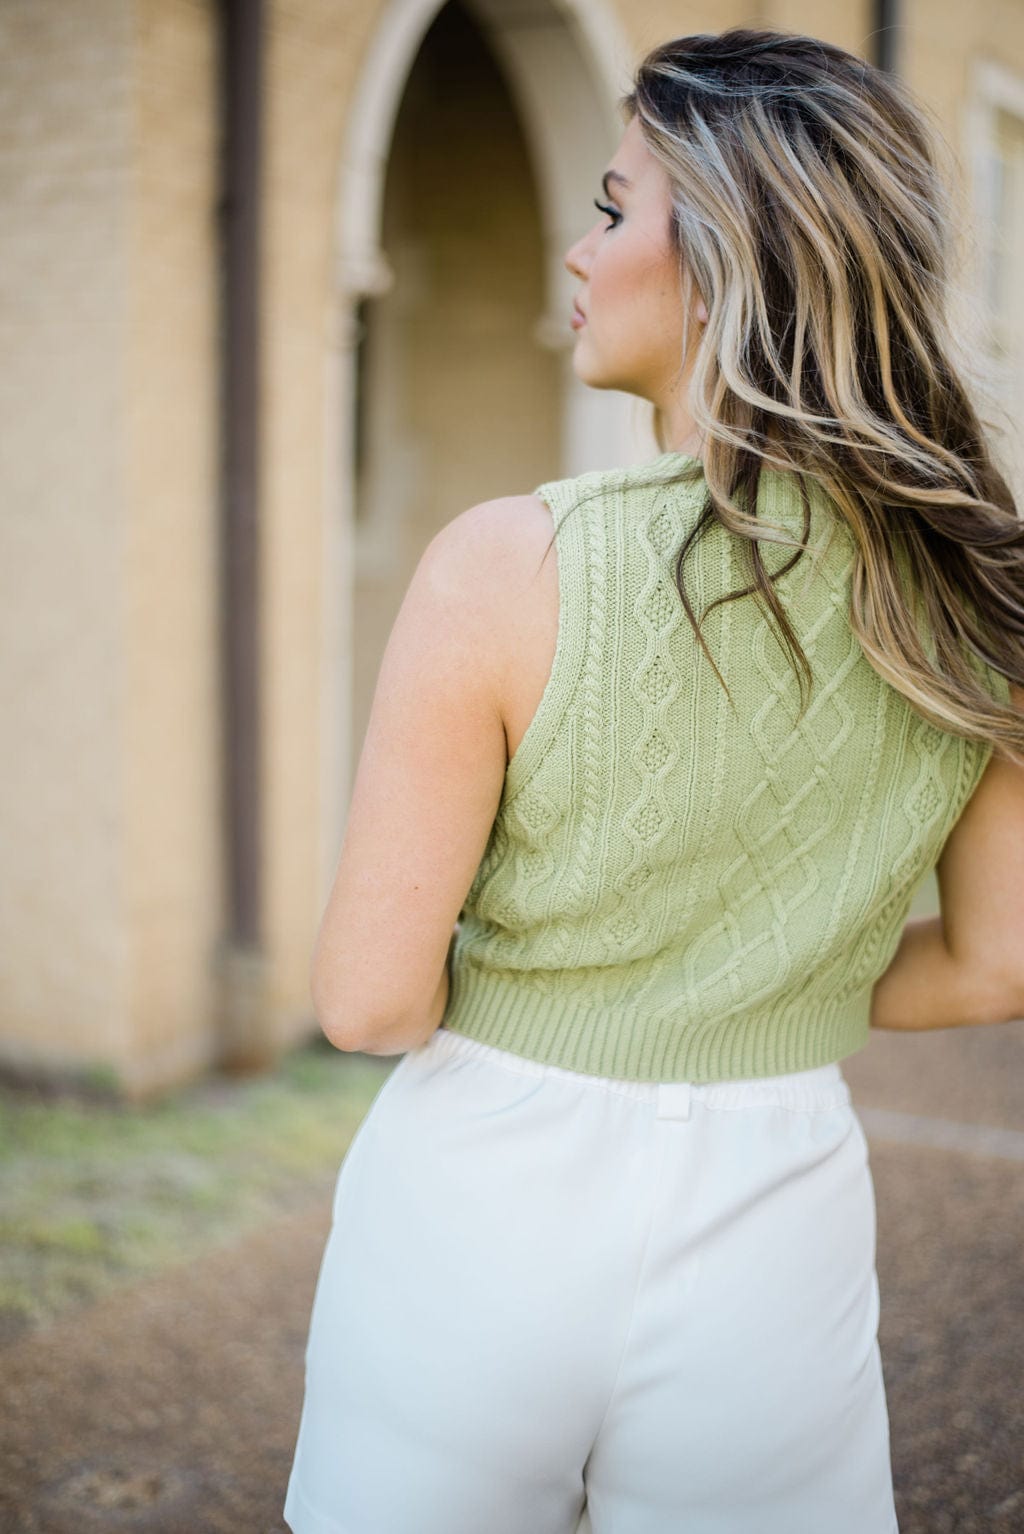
(578, 317)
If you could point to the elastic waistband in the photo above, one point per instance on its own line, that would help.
(822, 1086)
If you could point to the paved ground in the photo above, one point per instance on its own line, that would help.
(172, 1406)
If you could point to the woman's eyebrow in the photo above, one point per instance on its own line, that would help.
(614, 175)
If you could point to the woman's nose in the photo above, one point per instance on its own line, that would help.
(573, 260)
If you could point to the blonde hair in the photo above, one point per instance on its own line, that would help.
(809, 213)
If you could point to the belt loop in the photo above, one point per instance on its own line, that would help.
(674, 1099)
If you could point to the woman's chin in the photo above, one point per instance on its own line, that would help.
(588, 371)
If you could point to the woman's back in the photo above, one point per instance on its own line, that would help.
(680, 887)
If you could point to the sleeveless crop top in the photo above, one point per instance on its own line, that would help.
(676, 888)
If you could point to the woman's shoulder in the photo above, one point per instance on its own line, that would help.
(492, 561)
(492, 538)
(501, 573)
(495, 546)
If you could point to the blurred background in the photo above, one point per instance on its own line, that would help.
(281, 293)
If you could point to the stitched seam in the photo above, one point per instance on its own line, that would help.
(521, 1066)
(806, 1104)
(656, 1188)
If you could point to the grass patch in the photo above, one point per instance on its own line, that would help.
(93, 1194)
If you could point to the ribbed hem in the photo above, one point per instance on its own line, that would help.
(565, 1031)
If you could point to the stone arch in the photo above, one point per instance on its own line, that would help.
(563, 67)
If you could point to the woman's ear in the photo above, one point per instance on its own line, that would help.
(700, 314)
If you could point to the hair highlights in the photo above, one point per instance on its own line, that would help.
(808, 211)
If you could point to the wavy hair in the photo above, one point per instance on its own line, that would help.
(808, 211)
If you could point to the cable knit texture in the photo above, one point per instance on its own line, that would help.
(677, 888)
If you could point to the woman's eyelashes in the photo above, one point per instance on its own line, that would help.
(603, 208)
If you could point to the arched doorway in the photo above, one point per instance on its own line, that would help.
(476, 140)
(457, 402)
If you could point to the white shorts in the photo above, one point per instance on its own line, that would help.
(552, 1302)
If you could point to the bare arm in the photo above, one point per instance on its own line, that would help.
(926, 987)
(428, 784)
(967, 965)
(411, 1035)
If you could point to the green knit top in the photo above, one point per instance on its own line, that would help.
(680, 888)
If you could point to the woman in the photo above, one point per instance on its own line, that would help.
(604, 1245)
